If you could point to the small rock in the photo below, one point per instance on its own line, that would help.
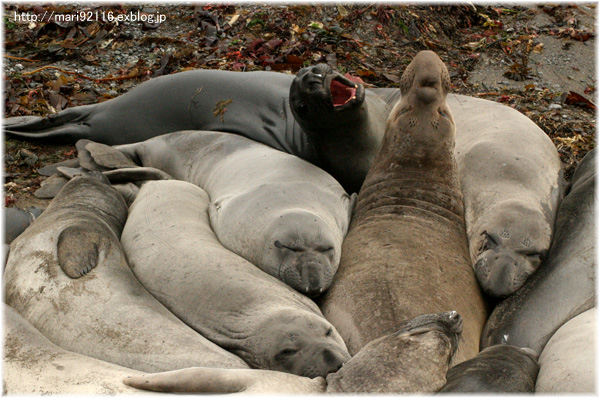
(29, 157)
(555, 107)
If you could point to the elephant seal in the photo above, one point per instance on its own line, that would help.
(497, 369)
(568, 362)
(329, 106)
(16, 220)
(529, 317)
(509, 168)
(193, 100)
(407, 235)
(281, 213)
(67, 276)
(174, 253)
(33, 365)
(413, 359)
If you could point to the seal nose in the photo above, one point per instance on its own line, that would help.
(311, 281)
(332, 361)
(502, 272)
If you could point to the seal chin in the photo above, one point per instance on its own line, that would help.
(501, 273)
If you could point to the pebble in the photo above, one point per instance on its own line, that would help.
(29, 157)
(555, 107)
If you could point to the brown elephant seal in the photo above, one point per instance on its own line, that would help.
(327, 106)
(67, 276)
(407, 235)
(279, 212)
(497, 369)
(565, 284)
(568, 362)
(175, 254)
(413, 359)
(33, 365)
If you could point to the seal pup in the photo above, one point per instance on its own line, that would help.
(407, 235)
(413, 359)
(529, 317)
(330, 107)
(193, 100)
(34, 365)
(568, 361)
(497, 369)
(175, 254)
(281, 213)
(67, 276)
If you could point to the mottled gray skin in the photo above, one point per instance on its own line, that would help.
(568, 362)
(67, 276)
(564, 285)
(174, 253)
(281, 213)
(406, 250)
(497, 369)
(33, 365)
(414, 359)
(509, 169)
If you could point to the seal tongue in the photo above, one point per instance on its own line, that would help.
(340, 93)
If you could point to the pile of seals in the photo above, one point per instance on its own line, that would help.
(315, 237)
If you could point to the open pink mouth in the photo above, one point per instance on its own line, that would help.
(340, 93)
(343, 90)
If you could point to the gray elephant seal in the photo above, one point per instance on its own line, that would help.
(279, 212)
(33, 365)
(407, 235)
(497, 369)
(568, 362)
(328, 107)
(194, 100)
(16, 220)
(68, 277)
(530, 316)
(414, 359)
(174, 253)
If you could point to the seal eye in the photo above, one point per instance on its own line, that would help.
(278, 244)
(329, 332)
(325, 249)
(443, 114)
(302, 108)
(288, 352)
(489, 242)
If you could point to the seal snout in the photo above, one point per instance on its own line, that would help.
(499, 273)
(333, 361)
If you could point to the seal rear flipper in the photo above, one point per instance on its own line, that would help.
(136, 174)
(190, 380)
(79, 249)
(86, 160)
(107, 156)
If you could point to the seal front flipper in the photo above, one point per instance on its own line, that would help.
(80, 247)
